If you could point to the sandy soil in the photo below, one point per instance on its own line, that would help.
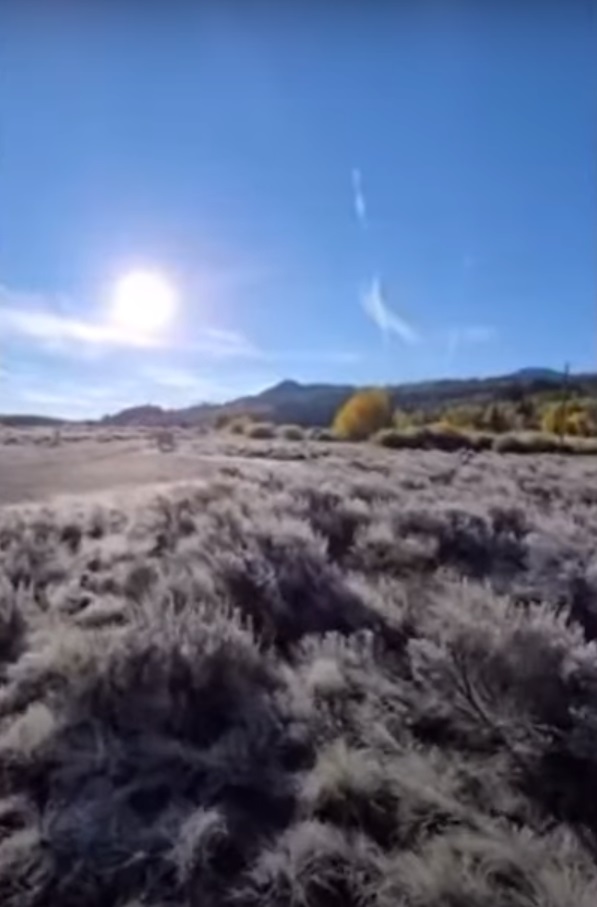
(30, 472)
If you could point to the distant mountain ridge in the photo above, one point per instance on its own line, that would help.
(316, 404)
(26, 420)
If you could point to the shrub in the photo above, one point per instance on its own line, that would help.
(445, 437)
(553, 419)
(481, 440)
(363, 414)
(530, 443)
(585, 446)
(323, 434)
(365, 680)
(292, 433)
(402, 420)
(222, 421)
(573, 417)
(397, 439)
(238, 426)
(238, 422)
(261, 431)
(496, 419)
(432, 437)
(540, 442)
(463, 417)
(165, 441)
(580, 424)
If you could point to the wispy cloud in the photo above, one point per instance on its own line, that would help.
(39, 322)
(175, 378)
(64, 401)
(388, 322)
(469, 335)
(359, 200)
(52, 329)
(222, 344)
(324, 356)
(186, 384)
(373, 299)
(81, 402)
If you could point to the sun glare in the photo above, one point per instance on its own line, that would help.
(143, 302)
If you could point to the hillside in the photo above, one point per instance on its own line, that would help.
(316, 404)
(26, 420)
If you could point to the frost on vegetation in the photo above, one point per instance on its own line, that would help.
(356, 681)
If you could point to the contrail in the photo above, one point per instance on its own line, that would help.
(360, 203)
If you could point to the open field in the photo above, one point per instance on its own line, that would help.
(268, 673)
(31, 469)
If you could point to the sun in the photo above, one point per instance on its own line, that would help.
(143, 302)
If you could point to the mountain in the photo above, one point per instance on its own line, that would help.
(539, 374)
(289, 401)
(24, 420)
(316, 404)
(138, 415)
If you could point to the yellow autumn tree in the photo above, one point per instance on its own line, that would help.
(575, 417)
(363, 414)
(553, 418)
(580, 424)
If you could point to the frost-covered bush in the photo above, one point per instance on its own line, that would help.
(365, 679)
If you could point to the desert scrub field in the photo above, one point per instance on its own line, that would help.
(367, 678)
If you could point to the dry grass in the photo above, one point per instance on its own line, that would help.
(365, 679)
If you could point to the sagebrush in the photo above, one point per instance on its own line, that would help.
(369, 679)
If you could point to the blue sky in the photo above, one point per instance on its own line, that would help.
(337, 194)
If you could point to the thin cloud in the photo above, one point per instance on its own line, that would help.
(223, 344)
(45, 399)
(63, 402)
(388, 322)
(373, 300)
(329, 357)
(183, 381)
(52, 329)
(470, 335)
(175, 378)
(35, 320)
(359, 200)
(30, 318)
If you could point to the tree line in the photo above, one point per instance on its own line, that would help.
(370, 410)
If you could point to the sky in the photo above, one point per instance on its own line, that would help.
(354, 193)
